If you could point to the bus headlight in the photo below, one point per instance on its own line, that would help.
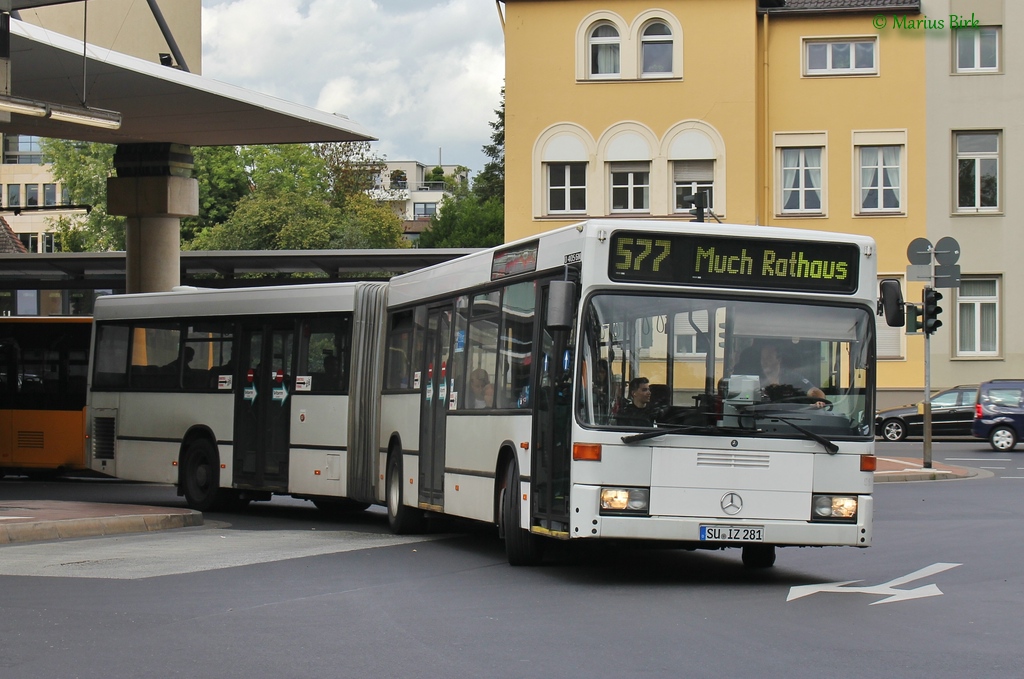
(834, 508)
(625, 500)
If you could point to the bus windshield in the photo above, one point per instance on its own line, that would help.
(712, 365)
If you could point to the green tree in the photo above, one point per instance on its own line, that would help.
(286, 168)
(464, 221)
(274, 221)
(490, 182)
(223, 181)
(291, 221)
(368, 224)
(351, 169)
(83, 168)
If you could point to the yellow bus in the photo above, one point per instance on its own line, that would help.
(44, 364)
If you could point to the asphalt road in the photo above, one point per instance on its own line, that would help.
(282, 591)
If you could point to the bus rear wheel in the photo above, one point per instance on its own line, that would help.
(521, 547)
(201, 476)
(402, 519)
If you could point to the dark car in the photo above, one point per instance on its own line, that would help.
(952, 415)
(999, 413)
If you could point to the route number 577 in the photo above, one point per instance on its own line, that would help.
(641, 254)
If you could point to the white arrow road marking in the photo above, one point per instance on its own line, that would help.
(884, 588)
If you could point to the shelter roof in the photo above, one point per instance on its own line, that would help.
(157, 103)
(217, 269)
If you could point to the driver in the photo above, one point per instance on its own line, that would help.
(639, 412)
(777, 383)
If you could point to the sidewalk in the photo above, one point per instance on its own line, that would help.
(35, 520)
(912, 469)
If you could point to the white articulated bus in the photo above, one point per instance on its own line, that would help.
(506, 392)
(235, 395)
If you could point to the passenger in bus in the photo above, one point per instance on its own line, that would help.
(172, 367)
(638, 412)
(481, 391)
(779, 383)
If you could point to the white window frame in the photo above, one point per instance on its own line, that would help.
(976, 303)
(633, 183)
(977, 44)
(566, 189)
(598, 41)
(977, 158)
(646, 40)
(831, 47)
(692, 186)
(872, 163)
(801, 172)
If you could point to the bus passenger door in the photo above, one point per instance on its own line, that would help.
(552, 419)
(433, 408)
(263, 406)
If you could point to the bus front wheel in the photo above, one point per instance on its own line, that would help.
(201, 476)
(521, 547)
(402, 519)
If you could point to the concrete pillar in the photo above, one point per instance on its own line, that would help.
(154, 189)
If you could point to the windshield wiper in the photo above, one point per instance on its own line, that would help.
(814, 436)
(678, 429)
(664, 430)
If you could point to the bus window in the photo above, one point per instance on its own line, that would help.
(111, 368)
(154, 356)
(324, 354)
(482, 346)
(516, 345)
(457, 363)
(399, 351)
(210, 346)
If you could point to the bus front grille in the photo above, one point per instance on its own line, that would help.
(733, 460)
(103, 438)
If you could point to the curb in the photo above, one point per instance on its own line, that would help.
(96, 526)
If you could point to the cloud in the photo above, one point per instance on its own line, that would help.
(417, 74)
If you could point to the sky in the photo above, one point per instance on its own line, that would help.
(423, 76)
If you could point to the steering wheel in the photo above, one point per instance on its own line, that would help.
(808, 401)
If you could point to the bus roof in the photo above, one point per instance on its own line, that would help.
(558, 247)
(184, 302)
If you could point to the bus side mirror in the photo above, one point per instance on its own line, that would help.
(561, 305)
(890, 302)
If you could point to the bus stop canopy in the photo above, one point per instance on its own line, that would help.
(157, 103)
(218, 269)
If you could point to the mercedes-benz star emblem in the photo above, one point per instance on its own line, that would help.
(732, 503)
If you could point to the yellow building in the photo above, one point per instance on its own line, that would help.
(802, 113)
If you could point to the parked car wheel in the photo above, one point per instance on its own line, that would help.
(1002, 439)
(894, 430)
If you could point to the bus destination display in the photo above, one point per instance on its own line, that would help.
(795, 265)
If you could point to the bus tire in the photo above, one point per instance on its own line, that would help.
(759, 556)
(201, 476)
(521, 547)
(402, 519)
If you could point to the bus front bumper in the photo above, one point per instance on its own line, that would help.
(745, 527)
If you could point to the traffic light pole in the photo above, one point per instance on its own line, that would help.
(927, 453)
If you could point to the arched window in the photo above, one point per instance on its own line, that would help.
(656, 49)
(604, 51)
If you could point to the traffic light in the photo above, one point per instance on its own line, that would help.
(931, 310)
(699, 203)
(913, 318)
